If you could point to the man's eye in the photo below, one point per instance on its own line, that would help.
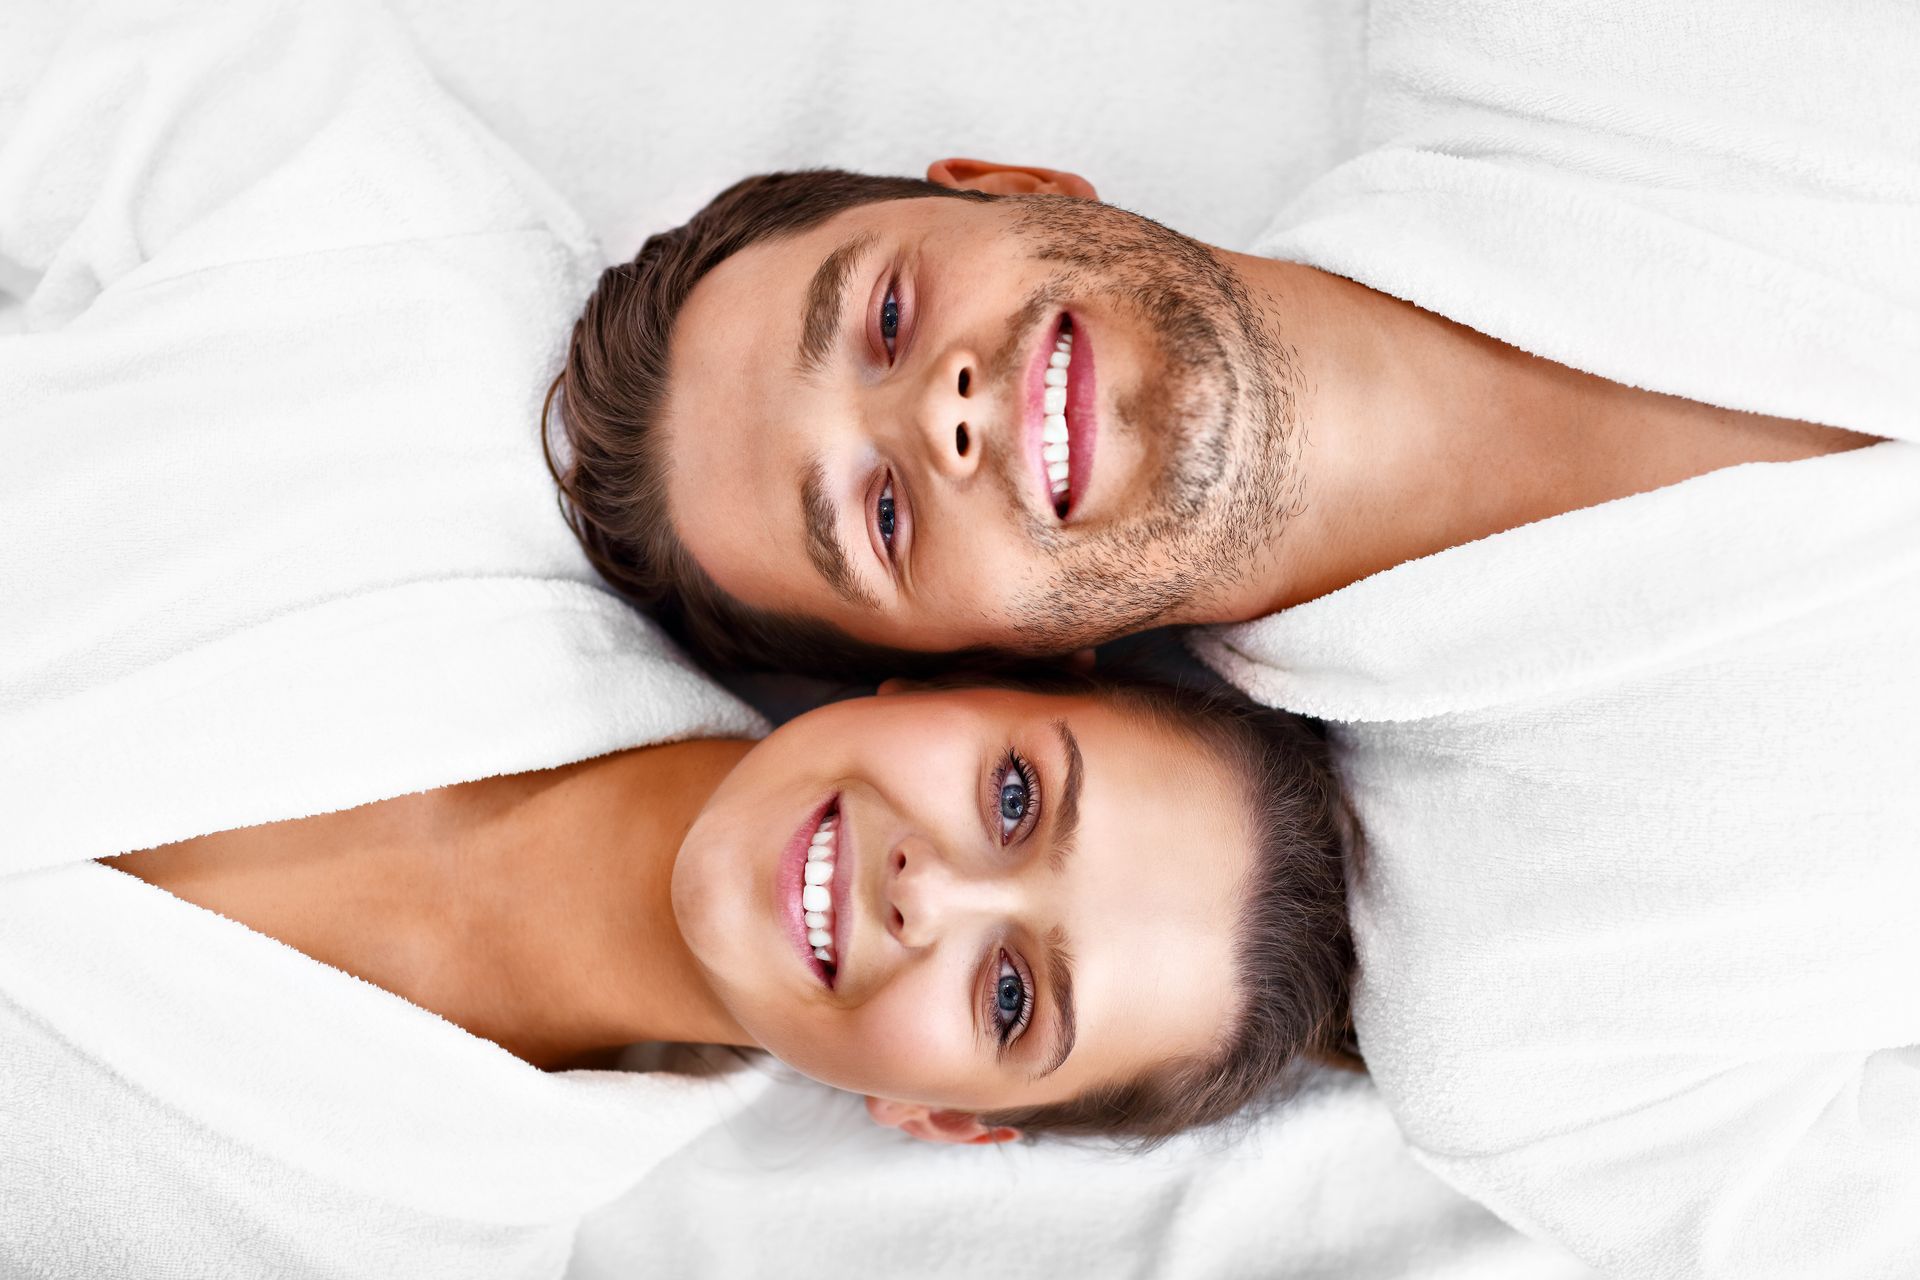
(890, 320)
(883, 517)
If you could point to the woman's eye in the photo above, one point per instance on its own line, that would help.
(1012, 1001)
(890, 320)
(883, 515)
(1015, 803)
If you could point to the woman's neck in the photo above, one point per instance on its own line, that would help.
(534, 910)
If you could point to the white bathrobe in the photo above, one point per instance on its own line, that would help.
(276, 539)
(1636, 918)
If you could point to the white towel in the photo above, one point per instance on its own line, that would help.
(275, 534)
(1323, 1189)
(1635, 921)
(1719, 200)
(1208, 116)
(180, 1096)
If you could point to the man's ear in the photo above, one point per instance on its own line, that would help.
(929, 1125)
(896, 684)
(1008, 179)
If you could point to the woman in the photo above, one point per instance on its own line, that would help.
(1082, 906)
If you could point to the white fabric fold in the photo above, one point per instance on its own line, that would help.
(1717, 200)
(241, 1108)
(276, 539)
(1637, 781)
(1634, 916)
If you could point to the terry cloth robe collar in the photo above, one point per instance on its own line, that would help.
(1502, 619)
(319, 1072)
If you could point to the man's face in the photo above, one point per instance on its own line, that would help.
(1031, 424)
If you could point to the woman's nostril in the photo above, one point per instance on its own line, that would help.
(960, 440)
(899, 921)
(966, 380)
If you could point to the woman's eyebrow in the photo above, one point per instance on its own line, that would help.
(1060, 982)
(826, 299)
(1066, 822)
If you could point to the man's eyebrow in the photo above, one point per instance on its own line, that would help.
(825, 300)
(1066, 821)
(823, 539)
(1060, 981)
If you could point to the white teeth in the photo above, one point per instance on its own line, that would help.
(1054, 445)
(816, 891)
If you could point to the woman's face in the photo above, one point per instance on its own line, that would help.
(1019, 896)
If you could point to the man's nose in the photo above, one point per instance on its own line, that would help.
(948, 415)
(927, 896)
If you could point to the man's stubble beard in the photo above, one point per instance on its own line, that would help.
(1216, 413)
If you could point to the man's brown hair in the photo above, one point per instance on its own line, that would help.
(612, 392)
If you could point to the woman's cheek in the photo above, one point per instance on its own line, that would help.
(901, 1048)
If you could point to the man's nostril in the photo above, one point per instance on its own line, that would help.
(960, 441)
(966, 380)
(899, 921)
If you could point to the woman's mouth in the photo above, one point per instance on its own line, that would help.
(812, 885)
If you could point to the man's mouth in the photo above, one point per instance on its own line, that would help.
(816, 890)
(1062, 417)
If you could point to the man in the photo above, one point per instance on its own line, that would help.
(1629, 724)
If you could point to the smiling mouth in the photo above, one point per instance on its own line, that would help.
(1056, 449)
(1061, 415)
(816, 895)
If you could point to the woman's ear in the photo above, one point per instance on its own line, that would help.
(929, 1125)
(1008, 179)
(895, 684)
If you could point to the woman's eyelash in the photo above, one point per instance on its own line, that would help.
(1010, 1003)
(1016, 797)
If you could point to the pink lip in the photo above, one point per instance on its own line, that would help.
(793, 862)
(1081, 412)
(842, 897)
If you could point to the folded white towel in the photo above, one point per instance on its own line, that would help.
(275, 534)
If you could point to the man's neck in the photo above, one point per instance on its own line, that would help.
(1417, 434)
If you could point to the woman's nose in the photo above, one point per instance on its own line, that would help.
(947, 417)
(927, 896)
